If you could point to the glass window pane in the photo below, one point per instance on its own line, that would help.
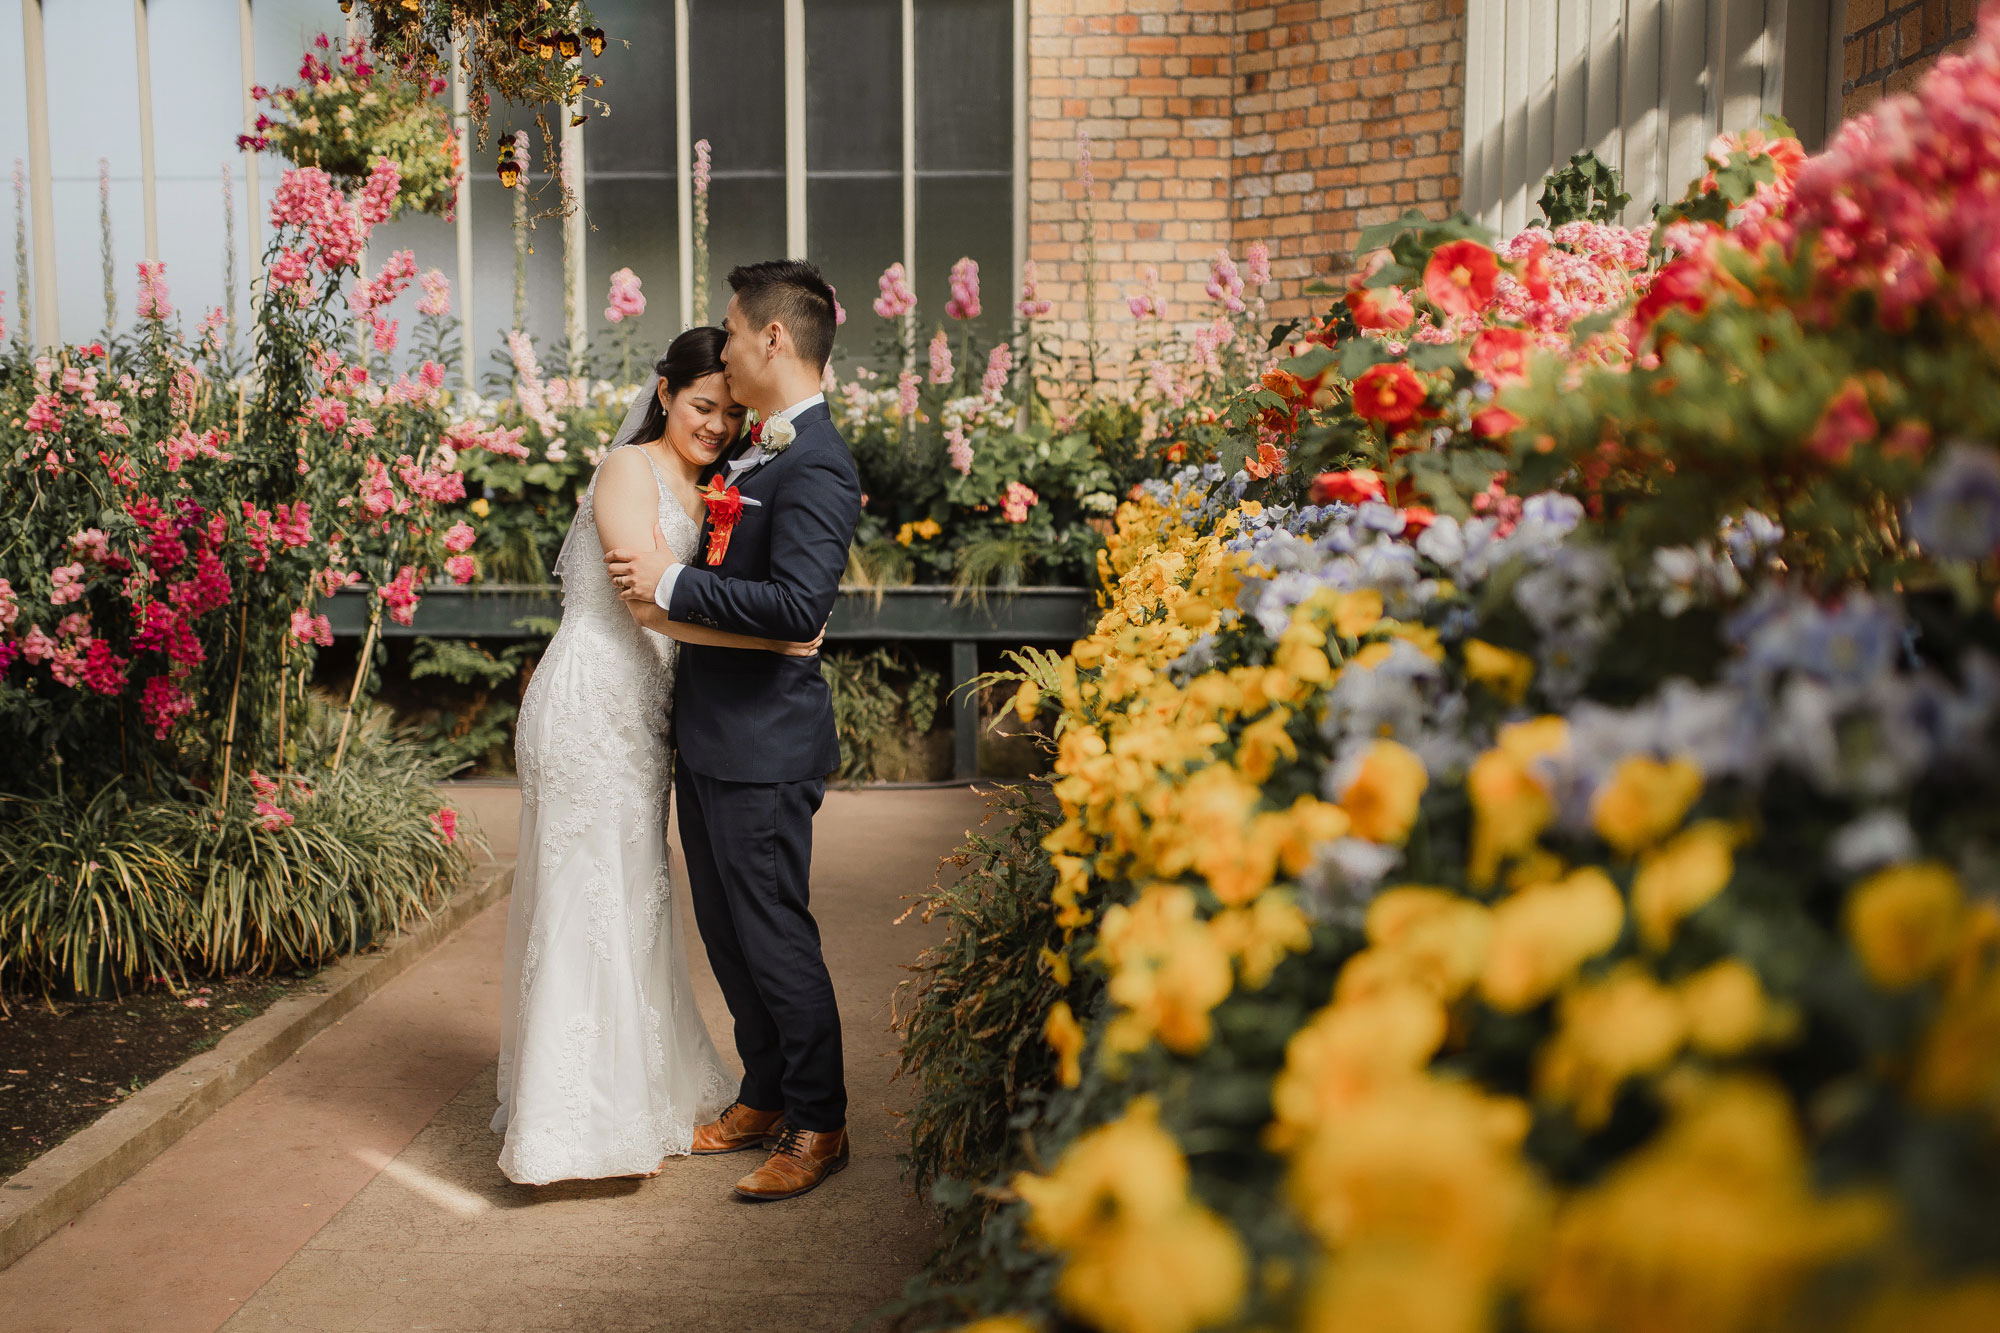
(493, 279)
(854, 86)
(965, 216)
(81, 43)
(965, 85)
(632, 226)
(857, 231)
(195, 124)
(736, 102)
(638, 72)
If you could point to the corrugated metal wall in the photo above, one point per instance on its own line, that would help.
(1645, 84)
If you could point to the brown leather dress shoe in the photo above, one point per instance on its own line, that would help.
(801, 1161)
(737, 1128)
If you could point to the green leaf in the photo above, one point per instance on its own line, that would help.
(1382, 233)
(1279, 333)
(1358, 354)
(1308, 363)
(1436, 356)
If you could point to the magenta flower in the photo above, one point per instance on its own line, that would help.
(162, 703)
(446, 821)
(462, 568)
(964, 302)
(896, 299)
(310, 628)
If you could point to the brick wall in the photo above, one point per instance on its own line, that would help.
(1216, 123)
(1890, 43)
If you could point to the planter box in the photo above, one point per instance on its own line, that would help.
(921, 612)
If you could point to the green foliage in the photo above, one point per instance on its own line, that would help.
(1586, 190)
(878, 698)
(103, 891)
(469, 729)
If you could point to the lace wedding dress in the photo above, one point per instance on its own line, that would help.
(605, 1064)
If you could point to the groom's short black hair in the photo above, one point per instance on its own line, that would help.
(789, 292)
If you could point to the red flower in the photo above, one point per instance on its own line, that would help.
(1353, 486)
(1500, 355)
(1846, 422)
(1381, 308)
(1494, 422)
(725, 510)
(1416, 518)
(1390, 393)
(1682, 284)
(1535, 271)
(1268, 462)
(1460, 277)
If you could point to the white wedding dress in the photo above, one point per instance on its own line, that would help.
(605, 1064)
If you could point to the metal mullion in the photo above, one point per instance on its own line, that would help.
(575, 233)
(1020, 255)
(246, 37)
(910, 167)
(41, 187)
(142, 42)
(795, 128)
(684, 169)
(461, 115)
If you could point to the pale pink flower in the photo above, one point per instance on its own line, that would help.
(906, 394)
(999, 364)
(702, 166)
(625, 299)
(1256, 267)
(964, 302)
(941, 368)
(1017, 502)
(528, 383)
(10, 606)
(459, 538)
(385, 334)
(67, 584)
(1223, 283)
(959, 450)
(378, 195)
(896, 299)
(437, 294)
(1030, 306)
(153, 303)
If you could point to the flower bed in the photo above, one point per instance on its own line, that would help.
(1524, 855)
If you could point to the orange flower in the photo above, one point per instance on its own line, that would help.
(1501, 355)
(1269, 462)
(1390, 393)
(1460, 277)
(1285, 384)
(1535, 271)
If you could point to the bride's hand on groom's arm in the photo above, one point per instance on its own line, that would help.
(636, 573)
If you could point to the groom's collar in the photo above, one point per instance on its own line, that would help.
(798, 409)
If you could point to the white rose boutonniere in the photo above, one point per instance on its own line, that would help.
(776, 435)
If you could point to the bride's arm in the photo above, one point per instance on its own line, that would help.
(653, 618)
(628, 513)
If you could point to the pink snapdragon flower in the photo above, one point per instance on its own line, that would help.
(446, 819)
(959, 450)
(161, 704)
(941, 367)
(703, 165)
(10, 606)
(437, 294)
(462, 568)
(400, 595)
(1147, 304)
(459, 538)
(964, 302)
(625, 300)
(999, 364)
(906, 394)
(528, 384)
(1224, 284)
(153, 303)
(67, 585)
(1031, 306)
(378, 195)
(1017, 502)
(896, 299)
(310, 628)
(1256, 267)
(385, 334)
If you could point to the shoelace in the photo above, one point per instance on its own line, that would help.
(791, 1142)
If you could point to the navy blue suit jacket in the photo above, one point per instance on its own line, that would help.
(746, 715)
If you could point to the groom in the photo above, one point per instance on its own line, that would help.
(755, 730)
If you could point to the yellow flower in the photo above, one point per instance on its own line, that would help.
(1510, 806)
(1000, 1323)
(1168, 972)
(480, 507)
(1904, 921)
(1612, 1029)
(1431, 938)
(1544, 933)
(1349, 1053)
(1057, 964)
(1263, 743)
(928, 528)
(1727, 1011)
(1501, 670)
(1712, 1225)
(1261, 935)
(1970, 1305)
(1028, 701)
(1355, 613)
(1065, 1035)
(1381, 802)
(1390, 1288)
(1675, 880)
(906, 534)
(1139, 1255)
(1302, 828)
(1425, 1165)
(1644, 801)
(1958, 1064)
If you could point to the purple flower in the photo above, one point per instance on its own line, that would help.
(1955, 515)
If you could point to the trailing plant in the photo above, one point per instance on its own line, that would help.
(878, 700)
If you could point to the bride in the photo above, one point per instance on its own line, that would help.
(605, 1064)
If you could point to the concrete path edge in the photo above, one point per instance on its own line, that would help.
(61, 1183)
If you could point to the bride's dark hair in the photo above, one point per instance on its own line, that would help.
(694, 355)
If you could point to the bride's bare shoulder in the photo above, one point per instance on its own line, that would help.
(626, 465)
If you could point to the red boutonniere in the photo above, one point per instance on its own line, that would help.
(725, 507)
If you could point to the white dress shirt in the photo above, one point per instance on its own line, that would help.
(663, 595)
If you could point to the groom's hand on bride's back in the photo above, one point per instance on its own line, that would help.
(636, 574)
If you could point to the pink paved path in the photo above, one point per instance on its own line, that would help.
(353, 1188)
